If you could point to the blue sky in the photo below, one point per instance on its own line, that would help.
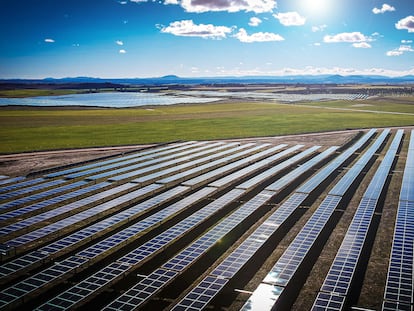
(199, 38)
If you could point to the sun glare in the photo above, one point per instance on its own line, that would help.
(315, 7)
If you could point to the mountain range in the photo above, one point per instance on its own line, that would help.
(173, 79)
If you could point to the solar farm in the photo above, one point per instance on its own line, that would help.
(216, 225)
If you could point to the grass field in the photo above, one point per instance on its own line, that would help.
(35, 92)
(29, 129)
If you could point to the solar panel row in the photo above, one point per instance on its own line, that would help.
(157, 164)
(71, 207)
(178, 176)
(342, 272)
(145, 289)
(245, 171)
(11, 180)
(208, 167)
(277, 168)
(157, 150)
(321, 175)
(37, 196)
(399, 286)
(37, 207)
(69, 223)
(37, 187)
(293, 257)
(25, 183)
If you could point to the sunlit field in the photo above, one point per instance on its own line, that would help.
(28, 129)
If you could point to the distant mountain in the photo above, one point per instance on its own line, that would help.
(173, 79)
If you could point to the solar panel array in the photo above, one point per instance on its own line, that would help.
(117, 214)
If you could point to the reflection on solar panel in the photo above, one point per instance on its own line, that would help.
(399, 287)
(293, 257)
(342, 271)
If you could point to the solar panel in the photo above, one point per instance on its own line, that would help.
(157, 151)
(25, 183)
(212, 164)
(11, 180)
(66, 208)
(157, 164)
(91, 213)
(277, 169)
(253, 167)
(37, 196)
(342, 185)
(205, 292)
(288, 178)
(399, 286)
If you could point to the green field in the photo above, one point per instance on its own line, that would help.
(28, 129)
(21, 93)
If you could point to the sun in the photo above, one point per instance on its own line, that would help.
(315, 7)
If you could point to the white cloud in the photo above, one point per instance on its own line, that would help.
(319, 28)
(242, 36)
(309, 70)
(290, 19)
(254, 21)
(138, 1)
(122, 51)
(119, 42)
(385, 8)
(48, 40)
(400, 50)
(406, 41)
(187, 28)
(361, 45)
(406, 23)
(257, 6)
(394, 53)
(170, 2)
(351, 37)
